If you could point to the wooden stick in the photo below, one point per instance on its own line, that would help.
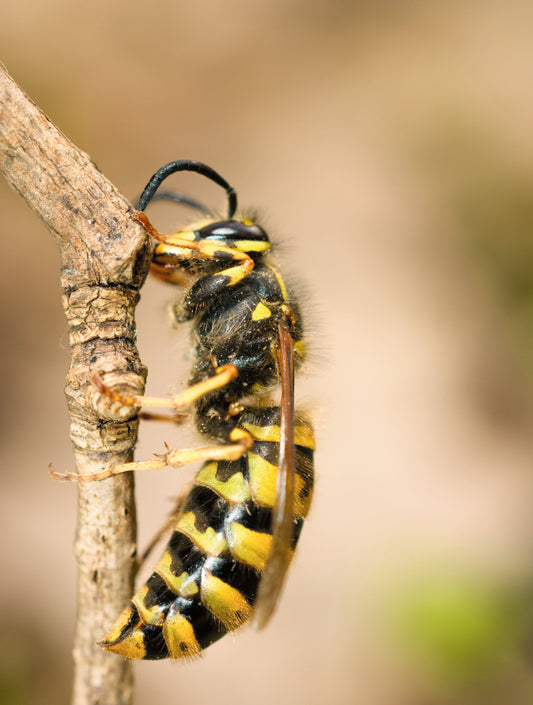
(105, 255)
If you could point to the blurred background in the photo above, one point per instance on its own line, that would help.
(389, 149)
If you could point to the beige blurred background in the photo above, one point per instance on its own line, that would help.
(389, 147)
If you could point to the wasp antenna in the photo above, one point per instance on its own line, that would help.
(187, 165)
(181, 198)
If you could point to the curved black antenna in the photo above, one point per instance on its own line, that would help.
(187, 165)
(178, 197)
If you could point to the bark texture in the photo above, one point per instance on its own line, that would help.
(105, 256)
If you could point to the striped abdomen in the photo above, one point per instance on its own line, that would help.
(206, 582)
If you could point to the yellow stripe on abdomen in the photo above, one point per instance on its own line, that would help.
(234, 489)
(303, 435)
(226, 603)
(208, 541)
(179, 636)
(262, 479)
(176, 583)
(131, 645)
(248, 546)
(149, 615)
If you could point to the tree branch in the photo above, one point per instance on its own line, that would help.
(105, 256)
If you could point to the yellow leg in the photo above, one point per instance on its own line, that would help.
(184, 456)
(172, 458)
(176, 419)
(172, 274)
(103, 474)
(182, 248)
(223, 375)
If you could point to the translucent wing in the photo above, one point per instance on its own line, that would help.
(282, 517)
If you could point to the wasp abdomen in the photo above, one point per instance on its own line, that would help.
(207, 579)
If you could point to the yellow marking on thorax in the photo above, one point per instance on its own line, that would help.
(226, 603)
(261, 311)
(280, 281)
(208, 541)
(179, 636)
(248, 546)
(234, 489)
(303, 435)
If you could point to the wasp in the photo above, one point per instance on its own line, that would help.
(236, 530)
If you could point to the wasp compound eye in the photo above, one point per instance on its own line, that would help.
(233, 230)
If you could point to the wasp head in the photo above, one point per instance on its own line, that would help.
(243, 235)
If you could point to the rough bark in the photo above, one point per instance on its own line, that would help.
(105, 256)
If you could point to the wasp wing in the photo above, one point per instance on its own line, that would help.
(280, 554)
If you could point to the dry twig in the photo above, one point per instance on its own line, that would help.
(105, 257)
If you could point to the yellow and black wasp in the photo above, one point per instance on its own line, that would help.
(237, 528)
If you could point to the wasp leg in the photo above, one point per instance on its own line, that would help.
(170, 273)
(177, 418)
(243, 441)
(207, 287)
(223, 375)
(179, 247)
(234, 451)
(174, 458)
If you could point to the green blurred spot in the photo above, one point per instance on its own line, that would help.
(15, 676)
(31, 668)
(457, 627)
